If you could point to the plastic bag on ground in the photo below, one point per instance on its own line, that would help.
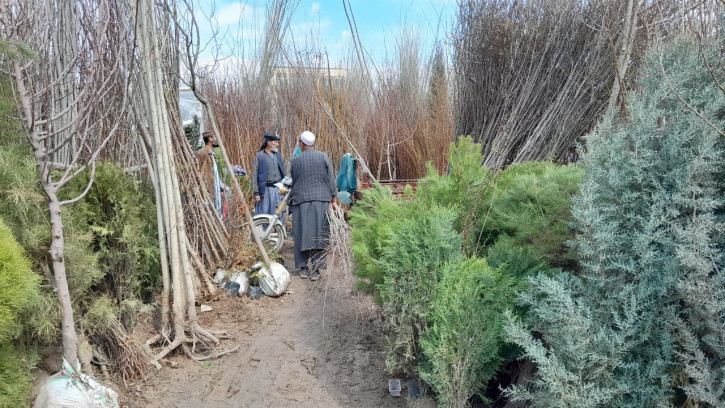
(219, 276)
(273, 280)
(242, 279)
(71, 388)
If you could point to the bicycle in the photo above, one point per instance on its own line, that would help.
(271, 228)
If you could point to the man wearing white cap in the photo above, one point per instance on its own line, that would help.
(313, 188)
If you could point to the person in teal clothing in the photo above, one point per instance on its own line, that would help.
(346, 179)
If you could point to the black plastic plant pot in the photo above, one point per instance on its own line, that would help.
(232, 288)
(254, 292)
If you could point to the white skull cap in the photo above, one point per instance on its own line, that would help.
(308, 138)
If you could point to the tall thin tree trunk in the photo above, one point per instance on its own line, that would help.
(57, 256)
(181, 282)
(57, 245)
(622, 58)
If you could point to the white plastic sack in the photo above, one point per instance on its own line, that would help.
(274, 280)
(243, 281)
(71, 388)
(219, 276)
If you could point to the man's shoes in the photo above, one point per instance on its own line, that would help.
(315, 275)
(305, 273)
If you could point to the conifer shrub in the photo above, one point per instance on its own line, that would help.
(18, 290)
(463, 343)
(192, 131)
(649, 306)
(83, 269)
(111, 245)
(400, 247)
(119, 218)
(100, 316)
(514, 259)
(16, 378)
(463, 188)
(463, 183)
(18, 284)
(412, 259)
(530, 206)
(42, 320)
(22, 204)
(372, 220)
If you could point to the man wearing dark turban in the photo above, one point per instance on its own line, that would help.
(267, 168)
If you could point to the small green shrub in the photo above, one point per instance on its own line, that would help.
(22, 203)
(463, 187)
(643, 326)
(531, 205)
(101, 314)
(18, 284)
(193, 133)
(111, 244)
(18, 290)
(117, 220)
(465, 180)
(15, 376)
(464, 341)
(372, 219)
(43, 318)
(412, 258)
(82, 267)
(513, 259)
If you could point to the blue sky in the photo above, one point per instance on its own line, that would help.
(324, 24)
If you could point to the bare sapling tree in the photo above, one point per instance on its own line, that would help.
(69, 99)
(306, 101)
(628, 34)
(631, 25)
(156, 127)
(339, 100)
(278, 14)
(207, 235)
(534, 77)
(401, 130)
(531, 77)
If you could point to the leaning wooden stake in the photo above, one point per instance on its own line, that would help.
(230, 170)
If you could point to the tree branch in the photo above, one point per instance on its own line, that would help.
(86, 190)
(692, 109)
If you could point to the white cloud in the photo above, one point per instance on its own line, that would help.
(345, 34)
(311, 26)
(315, 9)
(232, 14)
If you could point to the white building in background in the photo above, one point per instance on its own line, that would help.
(283, 77)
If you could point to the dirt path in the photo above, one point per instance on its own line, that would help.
(319, 345)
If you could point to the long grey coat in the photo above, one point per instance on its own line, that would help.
(313, 178)
(313, 188)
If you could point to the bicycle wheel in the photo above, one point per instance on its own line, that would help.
(274, 241)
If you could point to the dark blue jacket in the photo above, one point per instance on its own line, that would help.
(262, 172)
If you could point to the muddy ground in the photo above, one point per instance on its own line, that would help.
(319, 345)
